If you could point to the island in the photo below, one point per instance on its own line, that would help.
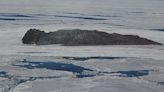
(79, 37)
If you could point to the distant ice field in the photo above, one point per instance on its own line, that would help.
(140, 14)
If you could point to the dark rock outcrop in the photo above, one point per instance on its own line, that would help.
(76, 37)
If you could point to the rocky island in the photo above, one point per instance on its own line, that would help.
(78, 37)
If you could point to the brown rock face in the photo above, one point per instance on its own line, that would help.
(32, 36)
(77, 37)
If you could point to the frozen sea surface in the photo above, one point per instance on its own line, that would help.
(140, 14)
(55, 68)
